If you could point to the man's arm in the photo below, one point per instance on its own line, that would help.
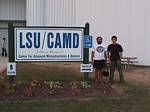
(92, 57)
(105, 55)
(121, 50)
(108, 53)
(2, 43)
(120, 54)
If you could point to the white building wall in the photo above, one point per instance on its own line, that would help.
(63, 13)
(51, 12)
(12, 9)
(35, 12)
(128, 19)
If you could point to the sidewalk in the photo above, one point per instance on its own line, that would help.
(3, 63)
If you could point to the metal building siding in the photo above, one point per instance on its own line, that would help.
(128, 19)
(51, 12)
(12, 9)
(60, 12)
(83, 12)
(35, 11)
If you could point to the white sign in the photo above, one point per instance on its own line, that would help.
(86, 68)
(11, 68)
(49, 44)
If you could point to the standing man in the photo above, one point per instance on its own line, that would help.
(4, 52)
(98, 57)
(115, 54)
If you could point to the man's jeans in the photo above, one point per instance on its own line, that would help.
(4, 52)
(112, 70)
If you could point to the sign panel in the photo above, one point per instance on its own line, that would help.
(48, 44)
(86, 68)
(11, 68)
(87, 41)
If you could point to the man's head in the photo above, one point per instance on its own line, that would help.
(99, 40)
(4, 38)
(114, 39)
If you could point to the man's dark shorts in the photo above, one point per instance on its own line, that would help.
(99, 64)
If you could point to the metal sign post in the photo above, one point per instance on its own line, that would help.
(86, 52)
(11, 57)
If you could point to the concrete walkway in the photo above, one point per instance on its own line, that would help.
(3, 63)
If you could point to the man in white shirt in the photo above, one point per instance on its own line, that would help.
(98, 57)
(4, 52)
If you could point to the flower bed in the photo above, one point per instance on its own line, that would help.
(36, 90)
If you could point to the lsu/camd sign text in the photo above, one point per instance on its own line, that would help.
(48, 44)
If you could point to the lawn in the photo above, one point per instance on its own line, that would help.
(138, 99)
(51, 73)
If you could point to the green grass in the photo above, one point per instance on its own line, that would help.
(65, 106)
(137, 101)
(38, 72)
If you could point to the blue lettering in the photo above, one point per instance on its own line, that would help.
(66, 40)
(37, 40)
(75, 40)
(57, 41)
(29, 43)
(49, 43)
(21, 44)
